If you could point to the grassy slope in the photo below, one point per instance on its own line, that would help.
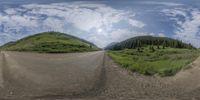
(50, 42)
(164, 62)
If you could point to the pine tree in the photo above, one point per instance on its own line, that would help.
(164, 44)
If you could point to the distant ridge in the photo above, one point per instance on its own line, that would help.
(141, 41)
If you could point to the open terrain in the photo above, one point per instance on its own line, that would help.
(88, 76)
(165, 62)
(150, 55)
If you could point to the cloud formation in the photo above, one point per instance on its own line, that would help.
(187, 22)
(77, 18)
(161, 3)
(102, 23)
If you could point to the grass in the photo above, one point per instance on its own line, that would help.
(50, 42)
(165, 62)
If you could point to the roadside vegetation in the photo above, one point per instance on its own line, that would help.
(50, 42)
(165, 62)
(153, 55)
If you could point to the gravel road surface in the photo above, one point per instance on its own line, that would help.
(88, 76)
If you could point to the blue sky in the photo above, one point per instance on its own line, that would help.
(101, 21)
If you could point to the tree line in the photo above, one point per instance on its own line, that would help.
(142, 41)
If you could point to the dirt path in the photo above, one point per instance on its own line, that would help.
(105, 80)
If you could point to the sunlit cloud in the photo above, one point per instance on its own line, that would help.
(187, 26)
(161, 3)
(102, 23)
(83, 17)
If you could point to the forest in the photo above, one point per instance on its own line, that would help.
(143, 41)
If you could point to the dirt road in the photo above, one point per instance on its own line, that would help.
(34, 75)
(88, 76)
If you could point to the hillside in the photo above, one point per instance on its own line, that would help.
(111, 44)
(164, 62)
(143, 41)
(150, 55)
(50, 42)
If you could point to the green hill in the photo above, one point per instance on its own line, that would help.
(143, 41)
(150, 55)
(50, 42)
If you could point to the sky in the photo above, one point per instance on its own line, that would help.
(101, 21)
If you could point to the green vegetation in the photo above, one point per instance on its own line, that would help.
(50, 42)
(153, 55)
(165, 62)
(143, 41)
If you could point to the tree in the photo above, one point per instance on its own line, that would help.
(139, 43)
(152, 48)
(90, 46)
(164, 44)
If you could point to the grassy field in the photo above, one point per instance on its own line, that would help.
(50, 42)
(165, 62)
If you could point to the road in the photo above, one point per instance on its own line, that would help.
(31, 74)
(88, 76)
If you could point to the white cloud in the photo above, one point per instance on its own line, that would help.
(174, 12)
(152, 34)
(4, 37)
(115, 36)
(81, 18)
(17, 21)
(53, 24)
(10, 11)
(161, 3)
(188, 29)
(85, 16)
(136, 23)
(161, 34)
